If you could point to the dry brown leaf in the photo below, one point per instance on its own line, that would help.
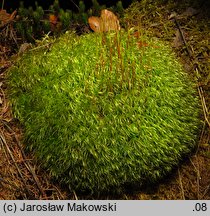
(6, 17)
(106, 22)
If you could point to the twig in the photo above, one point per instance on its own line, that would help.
(2, 6)
(3, 141)
(181, 185)
(201, 137)
(5, 106)
(183, 38)
(76, 198)
(75, 4)
(39, 47)
(5, 152)
(200, 90)
(59, 192)
(205, 192)
(27, 165)
(8, 183)
(198, 177)
(203, 102)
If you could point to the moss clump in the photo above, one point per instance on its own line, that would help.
(100, 111)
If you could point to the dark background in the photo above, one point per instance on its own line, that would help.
(66, 4)
(70, 4)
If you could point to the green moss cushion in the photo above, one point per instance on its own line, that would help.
(100, 111)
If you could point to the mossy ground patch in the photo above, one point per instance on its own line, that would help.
(100, 110)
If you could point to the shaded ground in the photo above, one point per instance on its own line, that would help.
(22, 178)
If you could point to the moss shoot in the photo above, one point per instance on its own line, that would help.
(103, 110)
